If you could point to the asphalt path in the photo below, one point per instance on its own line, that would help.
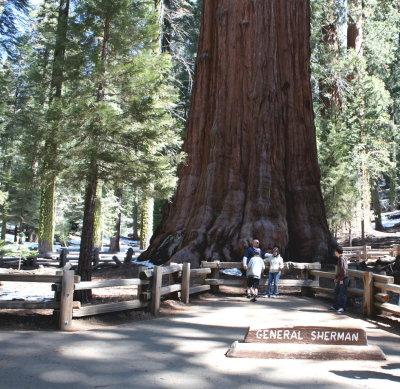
(188, 351)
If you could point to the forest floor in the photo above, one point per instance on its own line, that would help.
(373, 238)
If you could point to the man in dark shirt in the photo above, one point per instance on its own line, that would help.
(250, 253)
(341, 282)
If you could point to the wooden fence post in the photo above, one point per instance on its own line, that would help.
(368, 302)
(129, 255)
(306, 290)
(215, 275)
(173, 279)
(141, 288)
(365, 253)
(156, 290)
(67, 297)
(95, 257)
(63, 257)
(185, 283)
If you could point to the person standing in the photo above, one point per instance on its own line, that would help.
(341, 282)
(255, 269)
(275, 267)
(249, 253)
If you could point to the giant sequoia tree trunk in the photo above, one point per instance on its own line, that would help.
(252, 168)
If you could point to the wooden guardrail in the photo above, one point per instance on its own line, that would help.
(183, 285)
(151, 286)
(304, 282)
(61, 277)
(366, 253)
(150, 289)
(386, 284)
(374, 290)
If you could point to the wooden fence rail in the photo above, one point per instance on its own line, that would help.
(374, 290)
(305, 282)
(368, 254)
(149, 286)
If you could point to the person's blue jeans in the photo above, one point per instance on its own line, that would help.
(273, 278)
(340, 294)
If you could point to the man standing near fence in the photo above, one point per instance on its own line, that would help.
(341, 282)
(255, 269)
(250, 253)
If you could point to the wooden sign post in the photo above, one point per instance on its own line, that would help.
(306, 342)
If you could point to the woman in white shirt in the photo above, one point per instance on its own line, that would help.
(275, 266)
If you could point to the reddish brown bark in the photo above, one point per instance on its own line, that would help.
(355, 27)
(252, 166)
(330, 90)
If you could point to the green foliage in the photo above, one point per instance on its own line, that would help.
(183, 17)
(353, 103)
(131, 133)
(8, 249)
(136, 139)
(124, 105)
(12, 12)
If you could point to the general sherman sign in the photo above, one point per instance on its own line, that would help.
(308, 335)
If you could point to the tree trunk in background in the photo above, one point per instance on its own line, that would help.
(86, 247)
(355, 27)
(146, 227)
(377, 206)
(252, 169)
(98, 220)
(164, 9)
(114, 241)
(135, 219)
(393, 202)
(5, 187)
(355, 42)
(329, 88)
(46, 215)
(4, 214)
(88, 226)
(47, 186)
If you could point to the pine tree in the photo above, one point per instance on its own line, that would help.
(356, 134)
(120, 121)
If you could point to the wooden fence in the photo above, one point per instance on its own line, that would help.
(63, 304)
(149, 285)
(373, 290)
(304, 281)
(160, 281)
(368, 254)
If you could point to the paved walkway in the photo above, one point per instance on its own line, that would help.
(188, 351)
